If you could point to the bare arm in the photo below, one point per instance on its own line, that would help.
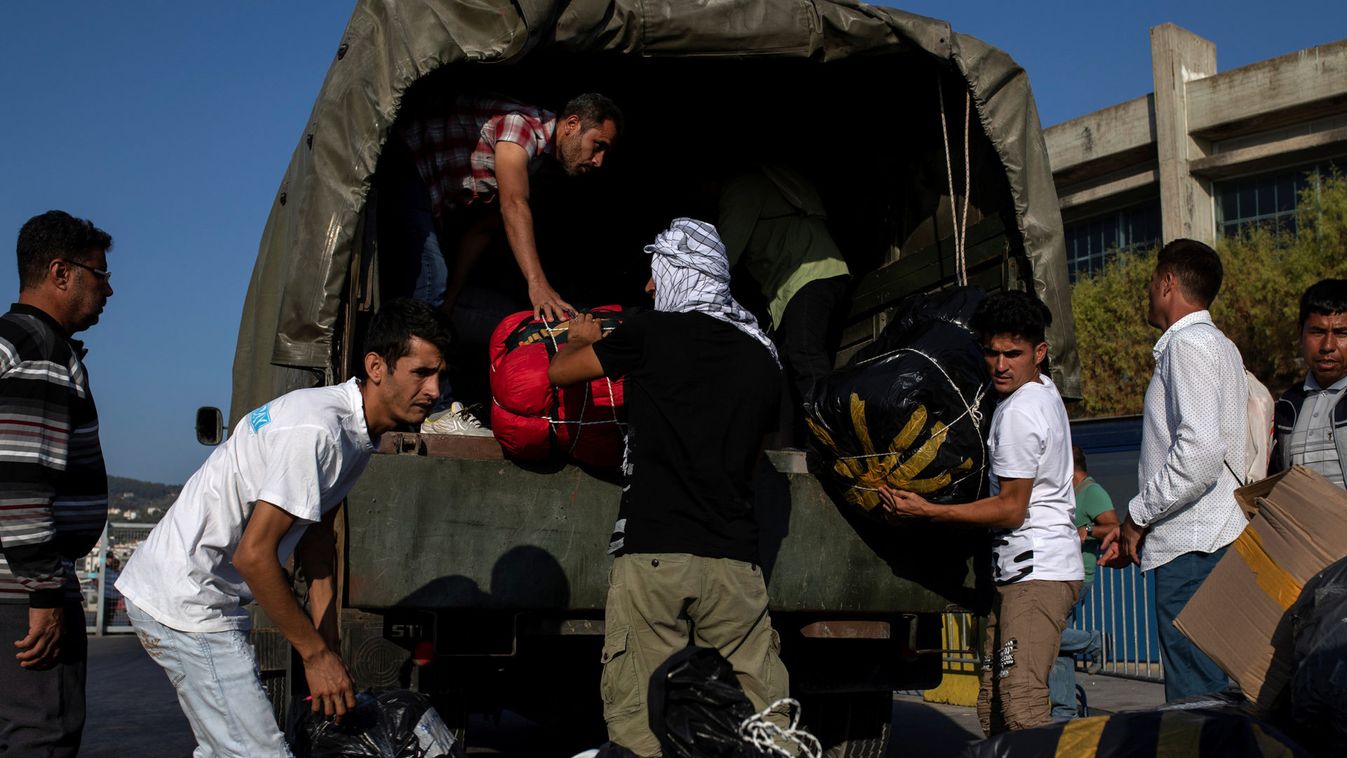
(329, 681)
(1104, 524)
(512, 178)
(576, 361)
(1004, 510)
(317, 554)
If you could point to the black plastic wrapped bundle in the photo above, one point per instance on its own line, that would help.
(911, 410)
(1203, 727)
(1319, 687)
(384, 724)
(696, 706)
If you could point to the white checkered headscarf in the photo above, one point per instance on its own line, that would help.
(692, 273)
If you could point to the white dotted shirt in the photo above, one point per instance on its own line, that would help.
(1195, 420)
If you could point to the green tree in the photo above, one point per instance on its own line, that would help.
(1265, 273)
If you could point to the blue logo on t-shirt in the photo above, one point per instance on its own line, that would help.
(260, 417)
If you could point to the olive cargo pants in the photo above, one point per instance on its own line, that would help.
(659, 603)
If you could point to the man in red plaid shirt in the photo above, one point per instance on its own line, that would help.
(475, 165)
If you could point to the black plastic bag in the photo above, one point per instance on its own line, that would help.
(1319, 684)
(1213, 729)
(911, 410)
(697, 705)
(384, 724)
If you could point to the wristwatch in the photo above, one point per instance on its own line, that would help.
(1089, 530)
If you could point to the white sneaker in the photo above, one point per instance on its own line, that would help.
(457, 420)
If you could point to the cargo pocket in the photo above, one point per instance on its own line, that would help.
(775, 678)
(619, 685)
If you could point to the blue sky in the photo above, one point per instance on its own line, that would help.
(170, 124)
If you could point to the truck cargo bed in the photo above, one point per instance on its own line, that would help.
(446, 523)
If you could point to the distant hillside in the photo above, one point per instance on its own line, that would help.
(134, 500)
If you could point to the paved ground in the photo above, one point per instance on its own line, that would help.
(133, 712)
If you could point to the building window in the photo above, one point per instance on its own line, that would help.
(1092, 242)
(1267, 200)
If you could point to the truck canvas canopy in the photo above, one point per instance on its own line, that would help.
(869, 102)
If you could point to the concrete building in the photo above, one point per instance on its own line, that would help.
(1204, 154)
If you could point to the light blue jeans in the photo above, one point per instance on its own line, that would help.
(1062, 678)
(215, 674)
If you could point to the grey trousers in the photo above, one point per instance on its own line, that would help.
(42, 712)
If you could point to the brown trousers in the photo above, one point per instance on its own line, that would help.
(1024, 630)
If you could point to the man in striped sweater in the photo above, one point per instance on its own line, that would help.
(53, 486)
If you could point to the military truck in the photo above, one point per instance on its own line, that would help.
(482, 581)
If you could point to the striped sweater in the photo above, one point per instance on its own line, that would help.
(53, 485)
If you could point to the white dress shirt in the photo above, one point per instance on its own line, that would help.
(1195, 420)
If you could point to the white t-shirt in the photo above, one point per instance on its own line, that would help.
(301, 452)
(1030, 438)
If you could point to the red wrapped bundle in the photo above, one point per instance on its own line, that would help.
(535, 421)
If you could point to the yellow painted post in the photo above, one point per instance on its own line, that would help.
(959, 683)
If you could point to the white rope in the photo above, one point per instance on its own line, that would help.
(584, 406)
(762, 734)
(556, 348)
(612, 400)
(967, 189)
(960, 228)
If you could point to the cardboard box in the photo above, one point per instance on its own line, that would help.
(1239, 615)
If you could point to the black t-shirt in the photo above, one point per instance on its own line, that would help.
(700, 396)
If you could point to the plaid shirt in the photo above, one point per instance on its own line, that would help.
(456, 154)
(53, 486)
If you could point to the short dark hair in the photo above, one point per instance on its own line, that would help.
(1196, 266)
(52, 235)
(593, 109)
(392, 328)
(1078, 457)
(1325, 297)
(1016, 313)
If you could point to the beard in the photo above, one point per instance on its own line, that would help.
(568, 154)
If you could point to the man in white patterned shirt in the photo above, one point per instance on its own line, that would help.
(1312, 417)
(1193, 435)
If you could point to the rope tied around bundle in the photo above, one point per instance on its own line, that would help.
(769, 738)
(580, 423)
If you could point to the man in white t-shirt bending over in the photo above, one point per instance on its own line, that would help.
(1031, 511)
(271, 490)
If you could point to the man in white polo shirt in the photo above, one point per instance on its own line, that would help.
(1031, 512)
(271, 490)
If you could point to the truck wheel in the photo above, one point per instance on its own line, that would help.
(850, 725)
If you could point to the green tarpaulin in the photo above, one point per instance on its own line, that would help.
(295, 295)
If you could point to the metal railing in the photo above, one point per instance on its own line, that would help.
(961, 633)
(104, 612)
(1118, 605)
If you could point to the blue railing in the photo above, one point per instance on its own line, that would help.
(1119, 604)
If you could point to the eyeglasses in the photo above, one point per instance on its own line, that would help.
(98, 272)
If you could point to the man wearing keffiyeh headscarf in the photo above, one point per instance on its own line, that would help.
(691, 273)
(703, 390)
